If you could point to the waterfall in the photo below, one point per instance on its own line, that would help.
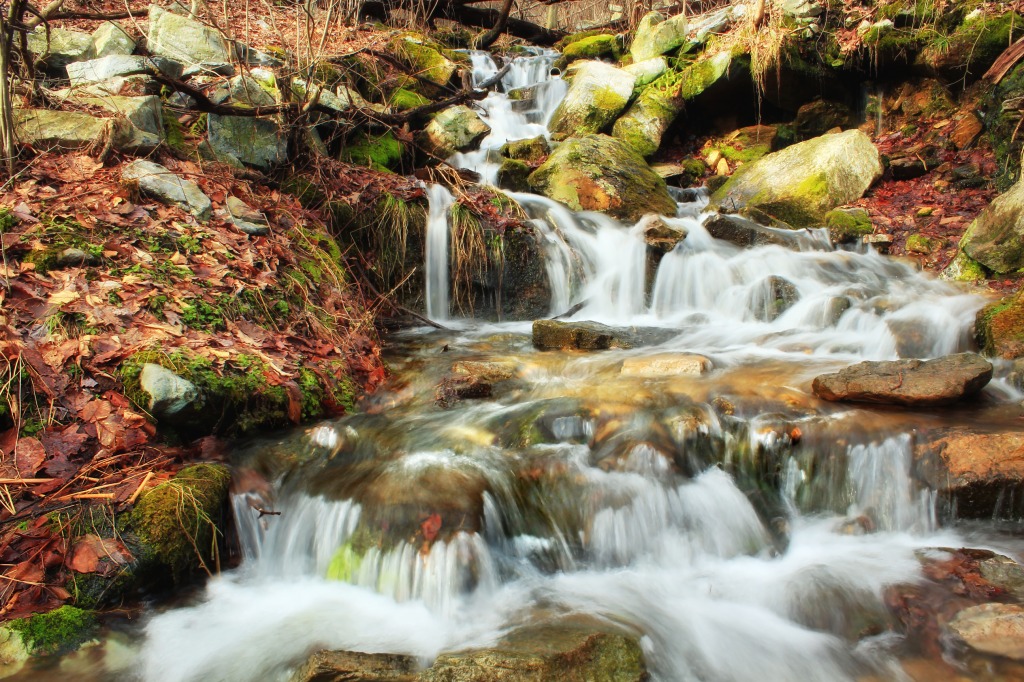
(438, 228)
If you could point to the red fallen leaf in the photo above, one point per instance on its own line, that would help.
(294, 402)
(96, 410)
(431, 527)
(7, 441)
(29, 456)
(58, 592)
(63, 442)
(25, 572)
(84, 558)
(92, 553)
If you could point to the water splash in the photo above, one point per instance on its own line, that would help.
(438, 228)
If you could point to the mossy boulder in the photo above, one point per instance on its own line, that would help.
(456, 129)
(55, 632)
(923, 244)
(746, 144)
(1000, 327)
(646, 121)
(973, 46)
(424, 57)
(963, 268)
(177, 522)
(530, 150)
(601, 46)
(646, 72)
(58, 47)
(379, 151)
(110, 38)
(185, 40)
(596, 96)
(800, 184)
(847, 225)
(996, 237)
(600, 173)
(513, 174)
(404, 99)
(257, 142)
(657, 35)
(571, 652)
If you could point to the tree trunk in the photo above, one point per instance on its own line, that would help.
(7, 149)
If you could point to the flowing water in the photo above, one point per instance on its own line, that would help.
(722, 517)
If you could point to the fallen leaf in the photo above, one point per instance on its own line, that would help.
(431, 527)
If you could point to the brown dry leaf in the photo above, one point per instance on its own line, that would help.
(27, 572)
(294, 402)
(29, 456)
(84, 557)
(96, 410)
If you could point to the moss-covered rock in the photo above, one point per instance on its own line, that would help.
(963, 268)
(919, 243)
(530, 150)
(456, 129)
(257, 142)
(1001, 125)
(656, 35)
(746, 144)
(382, 152)
(58, 631)
(513, 174)
(56, 47)
(799, 184)
(596, 96)
(424, 58)
(646, 121)
(847, 225)
(996, 237)
(972, 47)
(177, 522)
(403, 99)
(1000, 327)
(601, 46)
(600, 173)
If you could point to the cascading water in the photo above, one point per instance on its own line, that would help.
(745, 530)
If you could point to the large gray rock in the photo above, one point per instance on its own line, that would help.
(996, 237)
(645, 122)
(655, 35)
(169, 394)
(456, 129)
(49, 129)
(118, 65)
(144, 113)
(186, 40)
(801, 183)
(940, 381)
(992, 629)
(746, 233)
(252, 141)
(596, 96)
(646, 71)
(161, 184)
(111, 39)
(258, 88)
(62, 48)
(600, 173)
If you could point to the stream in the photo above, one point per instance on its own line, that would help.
(741, 527)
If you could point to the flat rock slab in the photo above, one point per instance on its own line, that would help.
(556, 335)
(334, 666)
(992, 629)
(161, 184)
(913, 383)
(977, 470)
(665, 364)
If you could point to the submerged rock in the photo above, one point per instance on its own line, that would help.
(665, 364)
(337, 666)
(992, 629)
(746, 233)
(454, 389)
(553, 335)
(597, 94)
(567, 652)
(161, 184)
(907, 382)
(600, 173)
(801, 183)
(996, 237)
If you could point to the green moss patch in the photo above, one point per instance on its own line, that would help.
(380, 152)
(1000, 327)
(55, 632)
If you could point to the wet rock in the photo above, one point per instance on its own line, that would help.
(1000, 327)
(647, 120)
(554, 335)
(940, 381)
(565, 652)
(454, 389)
(110, 38)
(596, 96)
(963, 268)
(660, 236)
(456, 129)
(996, 237)
(665, 364)
(492, 371)
(818, 117)
(975, 470)
(172, 527)
(746, 233)
(169, 394)
(801, 183)
(847, 225)
(1003, 572)
(656, 35)
(992, 629)
(58, 47)
(187, 41)
(530, 150)
(161, 184)
(782, 294)
(600, 173)
(247, 140)
(354, 666)
(604, 46)
(513, 175)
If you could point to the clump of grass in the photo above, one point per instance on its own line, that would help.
(468, 254)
